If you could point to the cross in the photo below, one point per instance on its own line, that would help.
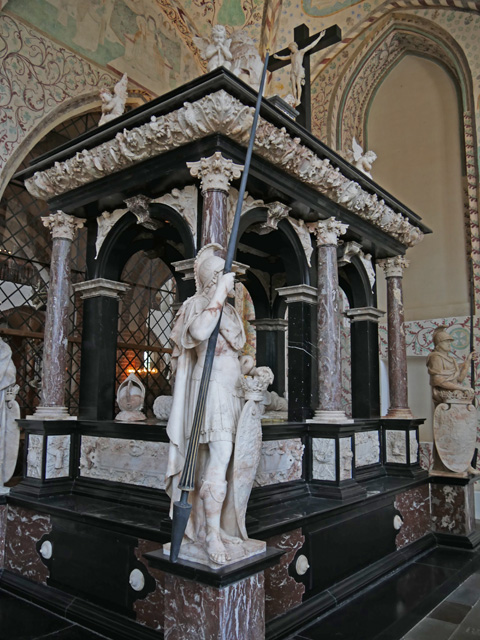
(302, 37)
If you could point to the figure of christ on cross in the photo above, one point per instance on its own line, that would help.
(298, 55)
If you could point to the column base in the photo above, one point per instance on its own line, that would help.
(399, 413)
(51, 413)
(330, 417)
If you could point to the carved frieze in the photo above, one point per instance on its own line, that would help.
(280, 461)
(34, 456)
(58, 457)
(135, 462)
(323, 467)
(367, 448)
(220, 112)
(396, 446)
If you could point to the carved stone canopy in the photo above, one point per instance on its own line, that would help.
(221, 113)
(328, 231)
(393, 267)
(216, 172)
(62, 225)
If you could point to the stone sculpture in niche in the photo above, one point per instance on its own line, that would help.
(130, 398)
(230, 440)
(359, 159)
(9, 413)
(217, 52)
(297, 72)
(455, 417)
(113, 104)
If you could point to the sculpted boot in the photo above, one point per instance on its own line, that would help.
(213, 494)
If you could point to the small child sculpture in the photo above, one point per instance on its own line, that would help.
(113, 104)
(217, 52)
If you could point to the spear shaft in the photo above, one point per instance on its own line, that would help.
(182, 508)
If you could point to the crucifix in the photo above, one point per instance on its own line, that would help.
(298, 55)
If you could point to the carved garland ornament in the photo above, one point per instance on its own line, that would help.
(219, 112)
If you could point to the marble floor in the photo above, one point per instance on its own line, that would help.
(437, 597)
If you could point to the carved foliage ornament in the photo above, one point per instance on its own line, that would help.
(215, 172)
(221, 113)
(328, 231)
(393, 267)
(62, 225)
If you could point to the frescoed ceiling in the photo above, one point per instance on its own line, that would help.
(153, 40)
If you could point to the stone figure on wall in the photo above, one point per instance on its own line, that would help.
(247, 63)
(297, 71)
(9, 413)
(216, 524)
(359, 159)
(113, 104)
(455, 420)
(217, 52)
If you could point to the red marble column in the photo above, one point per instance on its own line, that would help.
(216, 173)
(52, 400)
(397, 350)
(329, 408)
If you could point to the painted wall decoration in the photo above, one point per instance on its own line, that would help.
(36, 76)
(125, 35)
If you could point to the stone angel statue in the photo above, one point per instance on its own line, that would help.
(359, 159)
(247, 63)
(217, 51)
(113, 104)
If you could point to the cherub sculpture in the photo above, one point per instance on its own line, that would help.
(113, 104)
(217, 52)
(247, 63)
(297, 72)
(360, 160)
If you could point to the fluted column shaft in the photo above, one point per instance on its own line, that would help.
(397, 349)
(52, 399)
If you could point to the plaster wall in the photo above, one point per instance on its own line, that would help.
(414, 128)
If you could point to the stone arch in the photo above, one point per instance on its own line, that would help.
(355, 89)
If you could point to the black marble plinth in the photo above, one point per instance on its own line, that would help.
(220, 577)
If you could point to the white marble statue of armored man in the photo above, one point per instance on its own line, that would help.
(216, 520)
(9, 413)
(455, 421)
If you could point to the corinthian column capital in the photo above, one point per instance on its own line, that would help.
(327, 231)
(62, 225)
(393, 267)
(215, 172)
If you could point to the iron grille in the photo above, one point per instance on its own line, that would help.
(145, 320)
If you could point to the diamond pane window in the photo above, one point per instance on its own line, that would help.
(145, 321)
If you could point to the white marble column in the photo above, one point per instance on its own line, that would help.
(329, 408)
(216, 173)
(397, 350)
(52, 399)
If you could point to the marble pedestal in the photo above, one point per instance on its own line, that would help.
(453, 509)
(214, 604)
(401, 453)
